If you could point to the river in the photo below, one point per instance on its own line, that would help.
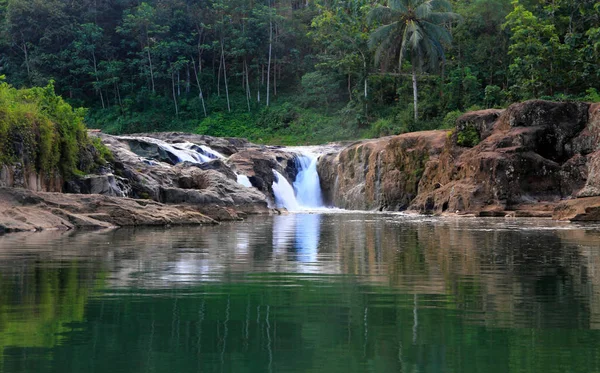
(333, 292)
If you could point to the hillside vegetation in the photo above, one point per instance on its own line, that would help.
(293, 71)
(43, 133)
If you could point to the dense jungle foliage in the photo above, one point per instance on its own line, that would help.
(299, 71)
(44, 133)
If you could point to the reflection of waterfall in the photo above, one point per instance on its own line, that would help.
(284, 193)
(308, 233)
(307, 185)
(301, 233)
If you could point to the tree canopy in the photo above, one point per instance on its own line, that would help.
(295, 70)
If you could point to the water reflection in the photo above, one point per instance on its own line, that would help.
(297, 234)
(305, 293)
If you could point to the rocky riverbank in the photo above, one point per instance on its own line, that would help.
(152, 179)
(535, 158)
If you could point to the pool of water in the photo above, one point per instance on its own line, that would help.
(305, 293)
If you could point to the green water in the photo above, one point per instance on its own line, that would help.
(305, 293)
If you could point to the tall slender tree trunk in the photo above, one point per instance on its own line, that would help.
(219, 73)
(225, 78)
(151, 69)
(200, 95)
(97, 80)
(247, 72)
(174, 93)
(415, 92)
(187, 79)
(269, 62)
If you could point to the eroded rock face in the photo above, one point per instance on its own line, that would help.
(380, 174)
(258, 165)
(19, 176)
(528, 158)
(152, 174)
(525, 159)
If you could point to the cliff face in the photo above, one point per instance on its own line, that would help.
(380, 174)
(20, 176)
(525, 159)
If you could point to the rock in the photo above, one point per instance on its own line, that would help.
(534, 153)
(580, 209)
(483, 121)
(381, 174)
(19, 176)
(25, 210)
(592, 181)
(224, 145)
(108, 185)
(258, 165)
(526, 159)
(212, 183)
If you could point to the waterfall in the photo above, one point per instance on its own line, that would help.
(307, 184)
(243, 179)
(203, 150)
(306, 191)
(284, 193)
(181, 152)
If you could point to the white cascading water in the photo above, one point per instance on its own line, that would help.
(307, 184)
(243, 179)
(306, 192)
(184, 151)
(284, 193)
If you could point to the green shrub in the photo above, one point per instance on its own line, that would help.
(449, 120)
(40, 130)
(468, 137)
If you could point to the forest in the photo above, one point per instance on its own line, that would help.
(299, 71)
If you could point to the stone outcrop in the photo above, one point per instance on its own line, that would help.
(20, 176)
(380, 174)
(209, 186)
(175, 177)
(24, 210)
(522, 161)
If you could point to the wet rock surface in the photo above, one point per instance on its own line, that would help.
(525, 161)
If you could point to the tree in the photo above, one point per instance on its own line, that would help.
(416, 28)
(536, 50)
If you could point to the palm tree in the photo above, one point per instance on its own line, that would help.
(416, 28)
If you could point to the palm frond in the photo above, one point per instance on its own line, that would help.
(436, 32)
(399, 5)
(381, 33)
(441, 5)
(383, 15)
(424, 10)
(444, 17)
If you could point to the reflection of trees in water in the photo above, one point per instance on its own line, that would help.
(430, 299)
(41, 302)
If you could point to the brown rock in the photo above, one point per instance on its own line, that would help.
(24, 210)
(580, 209)
(381, 174)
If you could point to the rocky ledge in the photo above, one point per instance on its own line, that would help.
(152, 179)
(536, 158)
(25, 210)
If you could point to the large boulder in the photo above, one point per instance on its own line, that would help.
(523, 160)
(24, 210)
(528, 158)
(258, 166)
(381, 174)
